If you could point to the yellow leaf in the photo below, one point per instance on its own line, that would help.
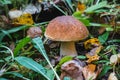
(92, 58)
(93, 42)
(24, 19)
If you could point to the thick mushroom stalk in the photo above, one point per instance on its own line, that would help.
(68, 48)
(67, 30)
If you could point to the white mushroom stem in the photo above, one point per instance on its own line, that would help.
(68, 48)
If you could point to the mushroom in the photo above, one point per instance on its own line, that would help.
(67, 30)
(34, 32)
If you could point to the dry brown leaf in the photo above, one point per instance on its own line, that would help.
(90, 73)
(92, 67)
(72, 69)
(93, 54)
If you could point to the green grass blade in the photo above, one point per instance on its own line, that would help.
(96, 6)
(38, 44)
(31, 64)
(70, 4)
(12, 55)
(13, 30)
(20, 45)
(17, 75)
(58, 8)
(105, 69)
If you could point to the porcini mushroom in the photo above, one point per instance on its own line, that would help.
(67, 30)
(34, 32)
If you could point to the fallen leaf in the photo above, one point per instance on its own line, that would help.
(91, 43)
(89, 72)
(73, 69)
(24, 19)
(93, 54)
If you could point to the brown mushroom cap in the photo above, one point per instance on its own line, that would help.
(66, 28)
(34, 32)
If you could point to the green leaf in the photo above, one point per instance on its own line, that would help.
(85, 21)
(13, 30)
(50, 74)
(58, 8)
(100, 25)
(105, 69)
(3, 2)
(96, 6)
(17, 74)
(103, 38)
(114, 41)
(31, 64)
(38, 44)
(21, 44)
(63, 60)
(6, 33)
(81, 57)
(77, 14)
(109, 29)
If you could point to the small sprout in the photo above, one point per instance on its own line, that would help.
(34, 32)
(112, 76)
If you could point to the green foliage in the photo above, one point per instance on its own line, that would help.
(79, 16)
(3, 79)
(105, 69)
(17, 75)
(4, 2)
(63, 60)
(12, 30)
(103, 38)
(69, 2)
(33, 69)
(21, 44)
(38, 44)
(31, 64)
(96, 6)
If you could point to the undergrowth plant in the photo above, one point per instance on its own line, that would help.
(21, 63)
